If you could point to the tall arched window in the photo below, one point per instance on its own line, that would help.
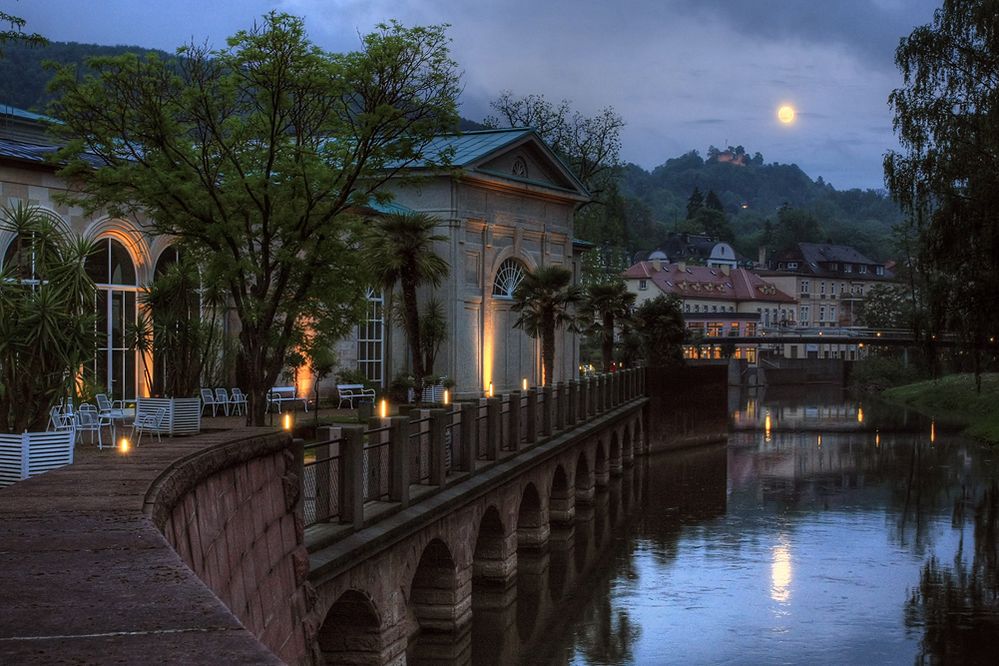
(508, 277)
(111, 268)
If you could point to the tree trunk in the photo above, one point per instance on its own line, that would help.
(412, 311)
(548, 350)
(607, 341)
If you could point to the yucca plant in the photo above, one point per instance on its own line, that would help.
(48, 327)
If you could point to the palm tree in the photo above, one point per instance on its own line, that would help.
(604, 304)
(544, 299)
(400, 249)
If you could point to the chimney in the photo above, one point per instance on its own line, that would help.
(657, 265)
(763, 257)
(726, 269)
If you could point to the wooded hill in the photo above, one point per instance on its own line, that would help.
(760, 204)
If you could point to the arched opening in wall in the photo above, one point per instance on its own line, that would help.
(562, 502)
(351, 632)
(114, 368)
(439, 627)
(615, 454)
(494, 590)
(509, 353)
(532, 528)
(600, 466)
(584, 481)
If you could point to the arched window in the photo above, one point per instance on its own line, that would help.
(24, 251)
(111, 268)
(508, 277)
(168, 258)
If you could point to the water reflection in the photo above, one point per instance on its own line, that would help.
(874, 540)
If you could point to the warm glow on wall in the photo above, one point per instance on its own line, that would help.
(860, 414)
(933, 431)
(304, 383)
(877, 438)
(487, 356)
(766, 427)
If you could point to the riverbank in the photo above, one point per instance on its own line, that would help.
(953, 399)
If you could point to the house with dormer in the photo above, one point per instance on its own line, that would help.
(717, 302)
(829, 281)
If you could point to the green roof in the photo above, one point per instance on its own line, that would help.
(469, 147)
(8, 110)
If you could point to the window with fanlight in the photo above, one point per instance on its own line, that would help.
(508, 278)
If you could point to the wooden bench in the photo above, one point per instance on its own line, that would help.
(352, 392)
(279, 395)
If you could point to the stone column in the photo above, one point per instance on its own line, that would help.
(438, 446)
(352, 475)
(399, 459)
(494, 426)
(532, 417)
(546, 413)
(469, 431)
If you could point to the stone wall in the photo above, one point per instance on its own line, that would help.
(233, 513)
(688, 406)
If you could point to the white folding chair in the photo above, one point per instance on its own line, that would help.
(88, 419)
(222, 399)
(207, 398)
(238, 401)
(149, 421)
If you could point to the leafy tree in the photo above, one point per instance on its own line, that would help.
(660, 323)
(590, 145)
(712, 222)
(255, 154)
(48, 327)
(793, 226)
(885, 306)
(607, 304)
(946, 176)
(544, 300)
(14, 34)
(400, 249)
(694, 203)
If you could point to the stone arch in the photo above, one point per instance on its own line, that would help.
(495, 556)
(627, 448)
(614, 459)
(584, 480)
(351, 632)
(638, 444)
(435, 595)
(532, 524)
(601, 472)
(562, 499)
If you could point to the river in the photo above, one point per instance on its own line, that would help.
(845, 533)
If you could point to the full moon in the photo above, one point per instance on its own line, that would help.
(785, 114)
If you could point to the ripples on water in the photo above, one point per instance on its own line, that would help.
(844, 541)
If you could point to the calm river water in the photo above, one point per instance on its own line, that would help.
(847, 535)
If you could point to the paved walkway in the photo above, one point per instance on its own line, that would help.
(85, 577)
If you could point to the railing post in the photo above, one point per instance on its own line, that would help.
(399, 459)
(572, 396)
(584, 399)
(607, 393)
(324, 475)
(514, 420)
(438, 446)
(616, 377)
(494, 426)
(546, 414)
(352, 475)
(466, 453)
(598, 394)
(532, 417)
(560, 412)
(594, 391)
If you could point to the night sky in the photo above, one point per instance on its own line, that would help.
(684, 74)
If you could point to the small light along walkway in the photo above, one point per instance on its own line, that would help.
(86, 577)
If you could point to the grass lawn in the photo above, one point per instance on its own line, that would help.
(953, 399)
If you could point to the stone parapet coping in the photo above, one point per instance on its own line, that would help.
(89, 578)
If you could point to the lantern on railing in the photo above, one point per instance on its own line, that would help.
(490, 389)
(523, 383)
(447, 397)
(287, 422)
(124, 446)
(383, 408)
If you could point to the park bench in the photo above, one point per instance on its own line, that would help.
(279, 395)
(352, 392)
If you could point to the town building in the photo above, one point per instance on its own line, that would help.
(717, 303)
(829, 282)
(694, 249)
(505, 206)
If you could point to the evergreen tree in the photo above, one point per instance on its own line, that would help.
(694, 203)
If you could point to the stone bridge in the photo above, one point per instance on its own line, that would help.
(403, 584)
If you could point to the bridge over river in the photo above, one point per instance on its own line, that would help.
(244, 545)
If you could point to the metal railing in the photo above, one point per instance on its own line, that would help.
(355, 465)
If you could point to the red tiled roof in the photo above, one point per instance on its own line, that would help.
(704, 282)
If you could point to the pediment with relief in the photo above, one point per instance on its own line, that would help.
(527, 162)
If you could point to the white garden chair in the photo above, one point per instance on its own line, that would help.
(58, 420)
(148, 421)
(208, 398)
(222, 399)
(88, 419)
(238, 401)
